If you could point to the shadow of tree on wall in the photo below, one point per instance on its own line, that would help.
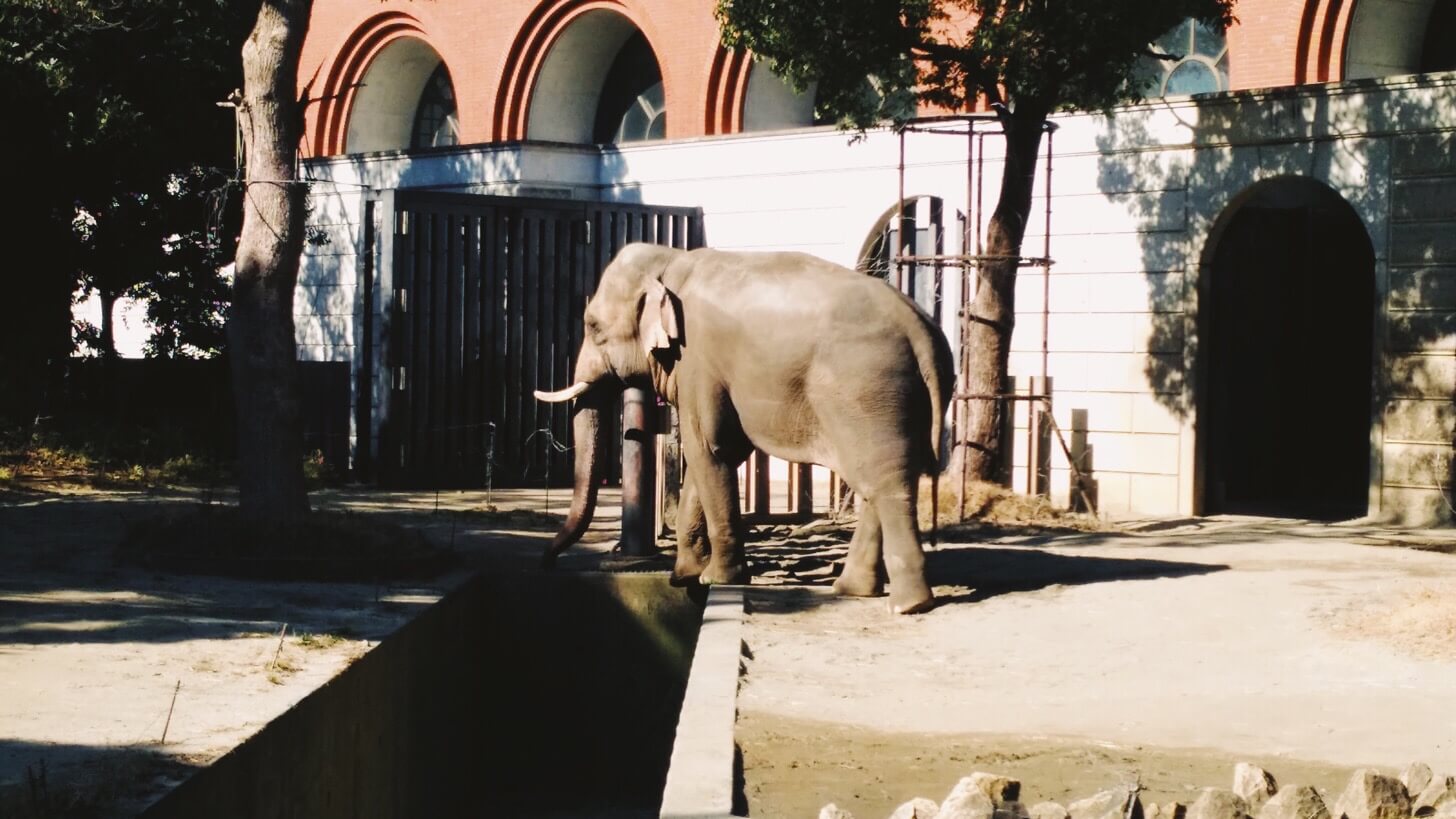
(1186, 168)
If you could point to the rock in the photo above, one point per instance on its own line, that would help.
(967, 801)
(1012, 810)
(1217, 803)
(1437, 796)
(1048, 810)
(1372, 795)
(1168, 810)
(997, 788)
(1295, 802)
(918, 808)
(1416, 777)
(1116, 803)
(1254, 784)
(833, 811)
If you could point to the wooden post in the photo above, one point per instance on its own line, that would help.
(804, 494)
(639, 468)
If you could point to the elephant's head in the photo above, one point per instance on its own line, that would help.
(631, 331)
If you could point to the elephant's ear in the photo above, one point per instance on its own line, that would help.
(660, 329)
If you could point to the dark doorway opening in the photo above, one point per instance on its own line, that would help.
(1288, 362)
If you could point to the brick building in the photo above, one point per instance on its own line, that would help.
(1253, 301)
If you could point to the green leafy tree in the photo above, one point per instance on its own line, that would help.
(118, 99)
(1025, 59)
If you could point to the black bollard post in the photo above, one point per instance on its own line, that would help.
(639, 479)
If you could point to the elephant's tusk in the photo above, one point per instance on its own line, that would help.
(563, 395)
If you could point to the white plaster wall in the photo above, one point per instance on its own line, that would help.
(1135, 201)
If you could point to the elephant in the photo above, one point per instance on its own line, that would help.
(804, 359)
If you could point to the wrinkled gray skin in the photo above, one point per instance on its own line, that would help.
(807, 360)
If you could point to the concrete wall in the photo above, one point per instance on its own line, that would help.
(515, 695)
(1136, 201)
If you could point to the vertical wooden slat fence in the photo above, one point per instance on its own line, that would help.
(486, 305)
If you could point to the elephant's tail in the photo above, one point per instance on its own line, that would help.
(937, 368)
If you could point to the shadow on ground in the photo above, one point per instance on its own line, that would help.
(974, 572)
(61, 581)
(83, 780)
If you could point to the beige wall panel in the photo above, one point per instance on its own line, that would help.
(1417, 154)
(1423, 331)
(1101, 372)
(1423, 243)
(1423, 288)
(325, 300)
(1154, 494)
(1101, 292)
(1424, 198)
(1418, 465)
(1425, 376)
(1430, 421)
(1414, 507)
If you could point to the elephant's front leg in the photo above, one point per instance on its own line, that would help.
(864, 569)
(693, 550)
(715, 484)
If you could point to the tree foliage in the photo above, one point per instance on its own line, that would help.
(1025, 59)
(119, 105)
(1047, 55)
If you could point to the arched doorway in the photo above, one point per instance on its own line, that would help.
(600, 83)
(1289, 331)
(406, 100)
(1393, 37)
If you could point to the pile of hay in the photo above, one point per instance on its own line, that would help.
(989, 503)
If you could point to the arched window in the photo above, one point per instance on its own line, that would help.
(1201, 65)
(632, 106)
(436, 122)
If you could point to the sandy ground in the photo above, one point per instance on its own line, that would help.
(92, 653)
(1159, 656)
(1082, 662)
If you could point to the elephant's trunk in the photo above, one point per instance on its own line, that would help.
(586, 426)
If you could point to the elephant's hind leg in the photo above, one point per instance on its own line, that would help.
(863, 574)
(904, 561)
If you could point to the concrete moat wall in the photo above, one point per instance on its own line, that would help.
(516, 695)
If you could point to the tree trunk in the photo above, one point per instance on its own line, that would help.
(108, 324)
(993, 307)
(260, 321)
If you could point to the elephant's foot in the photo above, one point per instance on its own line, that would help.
(686, 570)
(859, 583)
(912, 601)
(726, 574)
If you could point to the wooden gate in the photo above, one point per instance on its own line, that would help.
(487, 295)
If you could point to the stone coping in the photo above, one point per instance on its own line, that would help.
(700, 776)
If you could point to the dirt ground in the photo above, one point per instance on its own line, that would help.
(1161, 654)
(99, 662)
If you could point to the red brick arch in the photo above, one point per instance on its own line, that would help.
(1324, 31)
(528, 52)
(352, 62)
(727, 91)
